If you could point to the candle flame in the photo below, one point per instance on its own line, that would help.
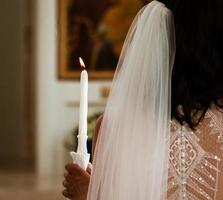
(81, 62)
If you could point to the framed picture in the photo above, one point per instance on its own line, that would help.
(94, 30)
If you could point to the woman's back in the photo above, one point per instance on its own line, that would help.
(196, 159)
(131, 153)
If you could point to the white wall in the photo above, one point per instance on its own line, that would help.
(54, 119)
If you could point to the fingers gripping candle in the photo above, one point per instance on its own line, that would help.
(81, 157)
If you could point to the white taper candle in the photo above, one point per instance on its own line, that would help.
(82, 137)
(82, 157)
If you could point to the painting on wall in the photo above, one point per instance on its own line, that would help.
(94, 30)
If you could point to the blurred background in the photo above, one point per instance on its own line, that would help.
(40, 41)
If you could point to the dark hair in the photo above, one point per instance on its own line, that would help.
(197, 80)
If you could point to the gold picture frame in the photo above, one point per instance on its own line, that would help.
(94, 30)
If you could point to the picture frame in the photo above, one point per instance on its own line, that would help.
(95, 31)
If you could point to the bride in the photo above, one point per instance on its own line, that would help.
(161, 135)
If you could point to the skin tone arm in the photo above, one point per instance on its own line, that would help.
(76, 179)
(96, 133)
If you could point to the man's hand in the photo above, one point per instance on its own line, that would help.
(76, 182)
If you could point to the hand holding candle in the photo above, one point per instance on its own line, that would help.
(82, 157)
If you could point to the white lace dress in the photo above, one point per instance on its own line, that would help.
(196, 160)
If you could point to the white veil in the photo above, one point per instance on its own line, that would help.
(131, 161)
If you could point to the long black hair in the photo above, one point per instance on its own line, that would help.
(197, 80)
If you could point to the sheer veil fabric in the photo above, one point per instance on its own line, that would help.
(131, 160)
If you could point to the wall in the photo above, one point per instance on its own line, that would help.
(54, 118)
(12, 109)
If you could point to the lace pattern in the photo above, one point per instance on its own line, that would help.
(195, 169)
(216, 125)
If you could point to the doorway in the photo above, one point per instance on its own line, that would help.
(17, 149)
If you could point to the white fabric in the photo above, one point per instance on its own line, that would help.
(131, 161)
